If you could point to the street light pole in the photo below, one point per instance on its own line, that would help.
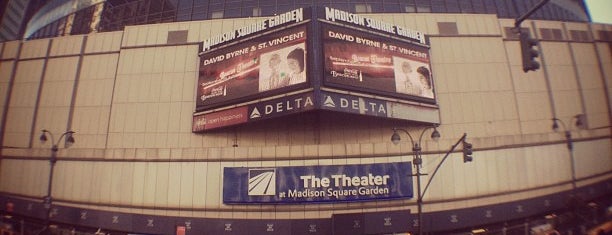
(418, 161)
(569, 143)
(69, 140)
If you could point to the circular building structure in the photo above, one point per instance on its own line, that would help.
(252, 117)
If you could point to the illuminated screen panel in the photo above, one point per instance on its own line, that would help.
(263, 65)
(362, 61)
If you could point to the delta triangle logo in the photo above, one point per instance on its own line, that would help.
(262, 182)
(329, 102)
(255, 113)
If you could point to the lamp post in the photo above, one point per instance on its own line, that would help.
(69, 140)
(417, 160)
(570, 142)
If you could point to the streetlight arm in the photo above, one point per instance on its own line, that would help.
(423, 132)
(407, 133)
(64, 135)
(555, 120)
(43, 137)
(440, 164)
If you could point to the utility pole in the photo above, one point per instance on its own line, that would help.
(528, 44)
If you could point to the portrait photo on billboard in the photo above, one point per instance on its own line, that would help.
(262, 65)
(366, 62)
(412, 77)
(283, 67)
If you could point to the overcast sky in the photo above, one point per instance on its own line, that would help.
(600, 10)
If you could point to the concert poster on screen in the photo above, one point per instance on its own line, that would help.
(362, 61)
(262, 65)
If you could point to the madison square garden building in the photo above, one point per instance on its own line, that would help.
(239, 117)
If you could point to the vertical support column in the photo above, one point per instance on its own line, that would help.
(75, 87)
(39, 92)
(576, 74)
(551, 97)
(9, 92)
(603, 76)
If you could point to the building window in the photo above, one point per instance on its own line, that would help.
(363, 8)
(605, 35)
(177, 37)
(448, 28)
(256, 11)
(512, 34)
(580, 35)
(423, 9)
(551, 34)
(216, 15)
(410, 9)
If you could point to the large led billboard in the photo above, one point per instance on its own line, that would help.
(294, 62)
(266, 63)
(253, 61)
(373, 63)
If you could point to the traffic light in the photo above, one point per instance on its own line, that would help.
(529, 52)
(467, 151)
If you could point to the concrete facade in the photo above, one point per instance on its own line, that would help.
(129, 95)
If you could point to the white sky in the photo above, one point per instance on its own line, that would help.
(600, 10)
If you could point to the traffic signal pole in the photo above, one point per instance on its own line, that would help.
(528, 44)
(461, 140)
(520, 19)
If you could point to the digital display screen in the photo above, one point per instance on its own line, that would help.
(358, 60)
(264, 64)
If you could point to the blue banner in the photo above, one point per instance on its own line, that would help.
(332, 183)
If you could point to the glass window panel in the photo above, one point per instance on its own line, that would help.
(437, 6)
(142, 19)
(423, 9)
(410, 8)
(478, 6)
(379, 7)
(501, 8)
(304, 4)
(185, 16)
(452, 6)
(185, 4)
(154, 18)
(216, 15)
(255, 12)
(229, 13)
(200, 3)
(168, 14)
(156, 6)
(387, 7)
(142, 8)
(198, 16)
(342, 6)
(168, 6)
(267, 10)
(199, 12)
(183, 12)
(547, 12)
(510, 5)
(524, 6)
(466, 6)
(215, 7)
(171, 3)
(490, 7)
(249, 3)
(233, 5)
(363, 8)
(284, 2)
(285, 8)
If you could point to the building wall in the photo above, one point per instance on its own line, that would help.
(129, 95)
(12, 14)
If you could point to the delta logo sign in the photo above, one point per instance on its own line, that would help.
(332, 183)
